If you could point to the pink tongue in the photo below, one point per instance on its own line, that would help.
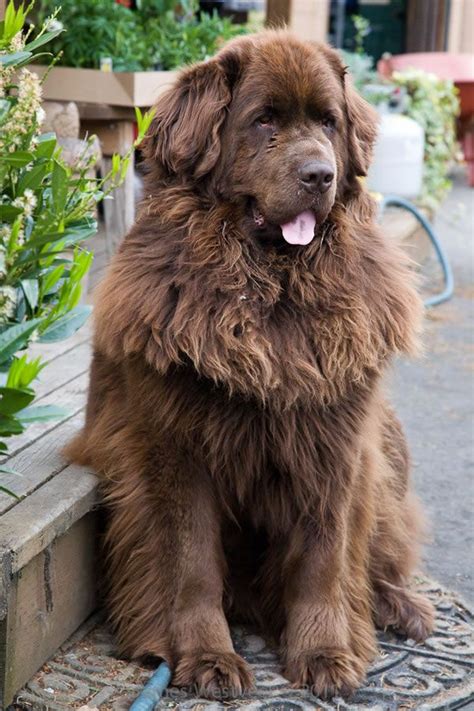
(301, 229)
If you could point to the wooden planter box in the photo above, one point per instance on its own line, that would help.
(92, 86)
(48, 539)
(106, 102)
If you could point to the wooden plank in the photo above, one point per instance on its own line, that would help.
(38, 462)
(48, 599)
(50, 351)
(93, 86)
(62, 370)
(148, 86)
(70, 396)
(109, 133)
(104, 112)
(49, 512)
(308, 19)
(119, 213)
(278, 13)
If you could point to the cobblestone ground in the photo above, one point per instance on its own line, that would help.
(434, 397)
(434, 676)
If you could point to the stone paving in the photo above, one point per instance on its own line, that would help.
(435, 676)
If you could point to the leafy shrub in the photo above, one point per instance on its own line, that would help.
(160, 34)
(434, 104)
(46, 211)
(172, 42)
(429, 100)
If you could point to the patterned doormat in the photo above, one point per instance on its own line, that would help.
(434, 676)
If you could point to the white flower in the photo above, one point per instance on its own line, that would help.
(53, 24)
(5, 234)
(7, 303)
(3, 264)
(18, 42)
(40, 115)
(29, 200)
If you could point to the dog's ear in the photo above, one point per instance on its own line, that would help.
(184, 137)
(362, 122)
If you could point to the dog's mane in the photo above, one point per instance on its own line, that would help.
(188, 288)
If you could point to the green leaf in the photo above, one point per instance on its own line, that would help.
(42, 413)
(33, 178)
(4, 109)
(9, 60)
(10, 425)
(68, 237)
(66, 325)
(14, 19)
(31, 291)
(18, 159)
(9, 492)
(43, 39)
(52, 277)
(8, 213)
(23, 371)
(14, 399)
(7, 470)
(47, 143)
(16, 337)
(59, 185)
(75, 295)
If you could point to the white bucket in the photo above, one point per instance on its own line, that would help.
(397, 166)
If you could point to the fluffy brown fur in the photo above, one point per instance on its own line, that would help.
(249, 461)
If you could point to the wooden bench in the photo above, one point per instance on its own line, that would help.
(48, 537)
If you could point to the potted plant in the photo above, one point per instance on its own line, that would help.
(137, 50)
(47, 210)
(430, 101)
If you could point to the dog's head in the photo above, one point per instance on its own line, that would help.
(271, 124)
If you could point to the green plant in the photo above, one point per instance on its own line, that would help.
(362, 29)
(430, 101)
(96, 29)
(47, 209)
(361, 67)
(155, 8)
(173, 42)
(434, 104)
(159, 34)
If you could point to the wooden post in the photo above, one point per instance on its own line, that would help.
(278, 13)
(3, 4)
(120, 211)
(307, 18)
(461, 22)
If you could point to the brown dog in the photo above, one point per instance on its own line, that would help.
(248, 458)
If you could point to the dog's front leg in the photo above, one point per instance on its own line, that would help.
(166, 567)
(203, 647)
(317, 647)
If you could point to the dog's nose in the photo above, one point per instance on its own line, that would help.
(316, 176)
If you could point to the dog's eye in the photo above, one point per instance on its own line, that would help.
(329, 122)
(265, 119)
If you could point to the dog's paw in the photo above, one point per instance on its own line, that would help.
(326, 672)
(405, 611)
(214, 675)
